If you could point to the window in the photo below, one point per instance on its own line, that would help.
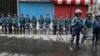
(8, 6)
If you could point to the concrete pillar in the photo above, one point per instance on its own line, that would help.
(17, 7)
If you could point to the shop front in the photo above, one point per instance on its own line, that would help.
(67, 7)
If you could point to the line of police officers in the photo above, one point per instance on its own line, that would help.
(22, 24)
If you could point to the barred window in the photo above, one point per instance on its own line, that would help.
(8, 6)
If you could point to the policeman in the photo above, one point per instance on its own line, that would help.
(27, 22)
(61, 25)
(96, 29)
(87, 25)
(22, 24)
(3, 21)
(34, 24)
(27, 19)
(76, 25)
(15, 24)
(9, 23)
(47, 23)
(41, 22)
(54, 21)
(66, 25)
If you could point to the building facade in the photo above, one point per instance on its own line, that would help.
(53, 7)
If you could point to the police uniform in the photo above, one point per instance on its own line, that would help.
(66, 26)
(15, 25)
(96, 29)
(41, 23)
(87, 25)
(27, 22)
(34, 24)
(9, 24)
(61, 25)
(4, 29)
(47, 24)
(76, 25)
(22, 24)
(54, 25)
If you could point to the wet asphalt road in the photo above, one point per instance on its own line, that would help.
(39, 47)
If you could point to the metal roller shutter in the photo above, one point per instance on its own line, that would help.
(36, 8)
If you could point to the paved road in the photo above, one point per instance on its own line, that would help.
(34, 45)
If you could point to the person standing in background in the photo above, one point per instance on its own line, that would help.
(9, 23)
(61, 25)
(54, 21)
(3, 19)
(66, 25)
(87, 26)
(22, 24)
(15, 24)
(34, 24)
(27, 24)
(96, 29)
(47, 24)
(41, 23)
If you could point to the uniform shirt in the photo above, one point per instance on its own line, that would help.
(61, 22)
(3, 20)
(67, 22)
(9, 20)
(22, 21)
(27, 20)
(41, 21)
(47, 20)
(96, 23)
(34, 21)
(15, 20)
(88, 23)
(76, 22)
(54, 22)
